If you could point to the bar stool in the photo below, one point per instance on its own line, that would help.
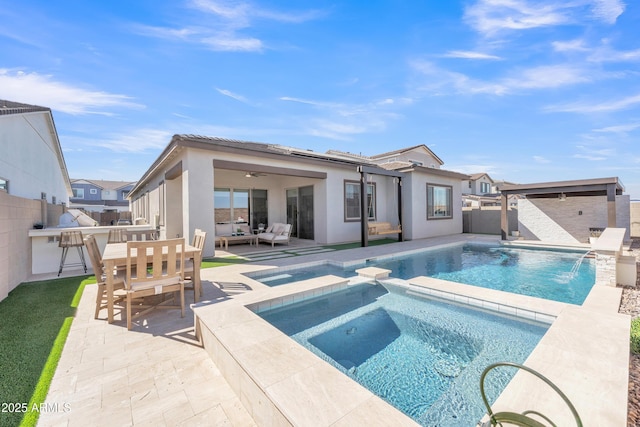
(70, 239)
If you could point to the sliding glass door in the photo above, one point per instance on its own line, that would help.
(300, 212)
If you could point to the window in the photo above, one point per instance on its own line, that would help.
(231, 205)
(484, 188)
(4, 185)
(439, 201)
(352, 201)
(93, 191)
(78, 193)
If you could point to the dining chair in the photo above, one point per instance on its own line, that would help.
(101, 276)
(140, 235)
(117, 235)
(199, 238)
(154, 267)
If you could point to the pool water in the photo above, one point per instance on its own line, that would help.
(563, 276)
(422, 356)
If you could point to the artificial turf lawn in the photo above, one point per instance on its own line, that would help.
(35, 320)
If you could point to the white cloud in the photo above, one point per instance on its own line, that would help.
(549, 76)
(620, 128)
(136, 141)
(463, 54)
(229, 43)
(594, 154)
(43, 90)
(591, 107)
(232, 95)
(540, 159)
(220, 22)
(607, 10)
(340, 121)
(610, 55)
(570, 45)
(543, 77)
(492, 16)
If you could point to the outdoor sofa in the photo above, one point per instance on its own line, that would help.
(276, 233)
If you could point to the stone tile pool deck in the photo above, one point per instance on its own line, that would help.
(161, 376)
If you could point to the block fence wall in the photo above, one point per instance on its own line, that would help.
(17, 216)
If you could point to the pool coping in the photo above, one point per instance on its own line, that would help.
(302, 390)
(279, 381)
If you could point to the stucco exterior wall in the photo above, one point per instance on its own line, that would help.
(17, 216)
(555, 221)
(34, 168)
(415, 200)
(189, 199)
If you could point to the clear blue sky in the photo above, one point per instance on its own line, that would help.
(527, 91)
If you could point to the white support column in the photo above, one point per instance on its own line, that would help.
(197, 205)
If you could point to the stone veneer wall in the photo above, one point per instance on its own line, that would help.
(17, 216)
(568, 222)
(606, 268)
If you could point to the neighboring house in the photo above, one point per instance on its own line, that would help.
(33, 178)
(319, 194)
(479, 190)
(32, 165)
(478, 184)
(100, 196)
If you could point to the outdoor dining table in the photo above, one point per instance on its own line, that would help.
(115, 255)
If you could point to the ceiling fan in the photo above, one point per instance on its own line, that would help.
(253, 174)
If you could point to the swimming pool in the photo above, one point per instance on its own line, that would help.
(565, 276)
(422, 356)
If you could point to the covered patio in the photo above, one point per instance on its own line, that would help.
(565, 211)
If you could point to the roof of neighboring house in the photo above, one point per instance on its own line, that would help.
(404, 150)
(477, 176)
(105, 185)
(11, 107)
(597, 186)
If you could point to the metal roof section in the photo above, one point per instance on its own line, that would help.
(11, 107)
(597, 186)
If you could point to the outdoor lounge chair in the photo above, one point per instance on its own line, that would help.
(277, 233)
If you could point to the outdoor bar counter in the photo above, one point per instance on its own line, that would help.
(45, 253)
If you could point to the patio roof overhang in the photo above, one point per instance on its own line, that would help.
(273, 170)
(586, 187)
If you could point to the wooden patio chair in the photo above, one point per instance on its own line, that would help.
(199, 238)
(159, 264)
(117, 235)
(140, 235)
(98, 270)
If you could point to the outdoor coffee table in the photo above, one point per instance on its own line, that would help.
(224, 240)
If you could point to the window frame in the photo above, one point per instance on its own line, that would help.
(449, 202)
(373, 213)
(76, 192)
(93, 191)
(4, 185)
